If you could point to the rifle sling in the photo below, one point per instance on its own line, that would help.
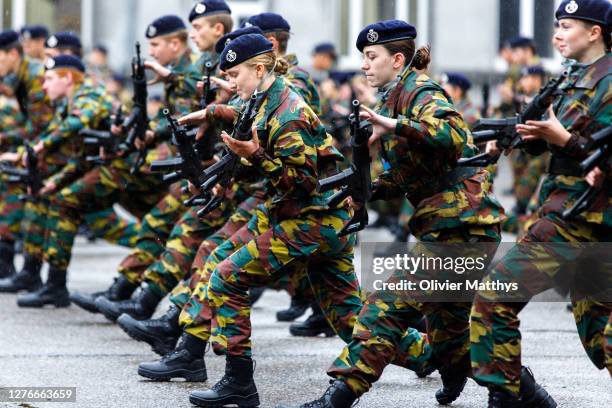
(564, 166)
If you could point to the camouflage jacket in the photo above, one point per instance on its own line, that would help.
(35, 109)
(429, 139)
(295, 149)
(584, 107)
(63, 159)
(303, 83)
(180, 91)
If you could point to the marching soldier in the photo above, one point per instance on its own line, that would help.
(422, 136)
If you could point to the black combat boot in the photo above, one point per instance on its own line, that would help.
(532, 394)
(499, 398)
(185, 361)
(255, 294)
(140, 306)
(313, 326)
(338, 395)
(7, 257)
(454, 379)
(27, 279)
(54, 292)
(236, 387)
(121, 289)
(161, 334)
(297, 308)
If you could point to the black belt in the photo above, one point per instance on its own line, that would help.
(563, 166)
(444, 182)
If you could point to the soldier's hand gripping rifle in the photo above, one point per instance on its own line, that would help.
(602, 158)
(223, 171)
(354, 182)
(503, 131)
(29, 176)
(137, 122)
(102, 138)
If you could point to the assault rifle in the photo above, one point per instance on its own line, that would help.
(355, 181)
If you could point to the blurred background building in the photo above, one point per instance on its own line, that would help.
(464, 34)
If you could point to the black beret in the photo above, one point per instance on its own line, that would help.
(324, 48)
(458, 79)
(8, 38)
(268, 22)
(63, 39)
(595, 11)
(223, 41)
(209, 8)
(533, 70)
(384, 32)
(65, 61)
(34, 31)
(243, 48)
(522, 42)
(165, 25)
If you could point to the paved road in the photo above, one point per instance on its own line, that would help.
(70, 347)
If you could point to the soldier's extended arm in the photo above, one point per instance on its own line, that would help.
(503, 131)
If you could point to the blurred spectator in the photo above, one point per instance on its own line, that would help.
(324, 58)
(457, 85)
(97, 65)
(115, 87)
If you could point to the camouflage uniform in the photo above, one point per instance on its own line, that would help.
(182, 293)
(30, 120)
(303, 83)
(293, 226)
(62, 162)
(584, 107)
(429, 138)
(174, 264)
(181, 97)
(105, 185)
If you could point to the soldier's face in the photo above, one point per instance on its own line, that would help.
(378, 66)
(33, 47)
(573, 38)
(7, 62)
(56, 87)
(204, 35)
(161, 50)
(244, 79)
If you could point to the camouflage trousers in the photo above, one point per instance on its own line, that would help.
(528, 170)
(181, 294)
(495, 336)
(175, 263)
(11, 211)
(383, 332)
(262, 252)
(155, 229)
(190, 294)
(105, 224)
(98, 190)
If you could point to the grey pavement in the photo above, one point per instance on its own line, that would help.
(73, 348)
